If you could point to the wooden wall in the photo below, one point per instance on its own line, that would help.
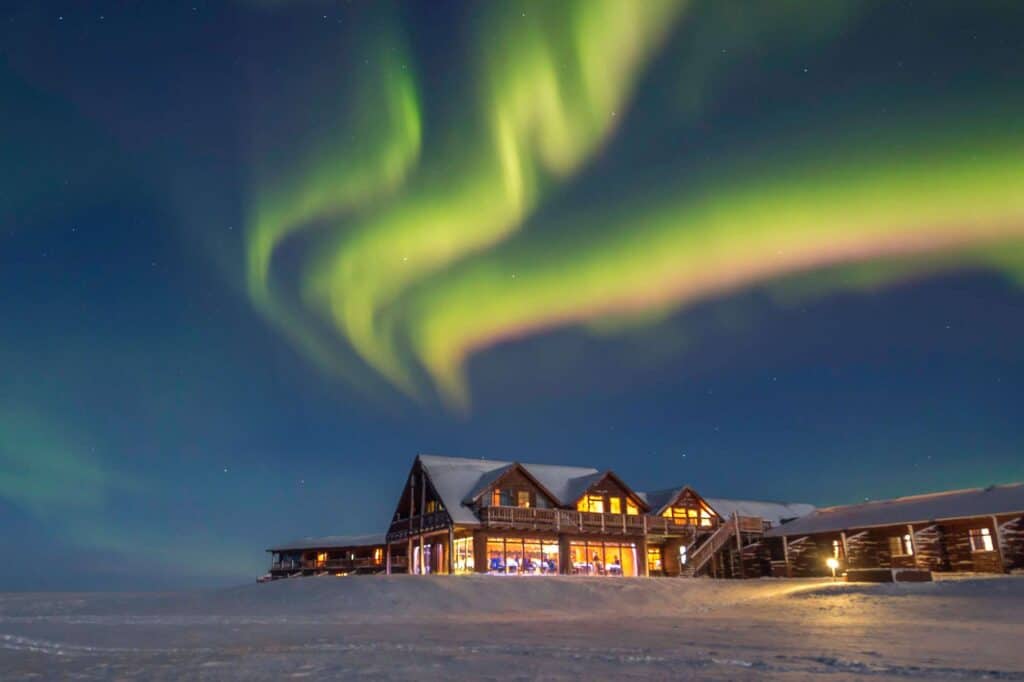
(944, 546)
(1011, 529)
(516, 480)
(608, 487)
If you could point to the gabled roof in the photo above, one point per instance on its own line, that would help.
(494, 479)
(659, 500)
(331, 542)
(579, 486)
(486, 481)
(457, 479)
(775, 512)
(953, 504)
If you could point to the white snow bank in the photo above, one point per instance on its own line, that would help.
(413, 598)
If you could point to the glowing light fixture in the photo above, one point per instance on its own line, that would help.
(832, 563)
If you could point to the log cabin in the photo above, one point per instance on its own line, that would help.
(972, 530)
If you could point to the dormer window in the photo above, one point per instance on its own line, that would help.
(503, 497)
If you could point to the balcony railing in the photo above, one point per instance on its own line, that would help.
(333, 564)
(403, 528)
(567, 520)
(559, 520)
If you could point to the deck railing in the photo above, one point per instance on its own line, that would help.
(558, 520)
(333, 564)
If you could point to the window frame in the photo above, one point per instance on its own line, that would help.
(985, 535)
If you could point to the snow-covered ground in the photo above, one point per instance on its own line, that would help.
(492, 628)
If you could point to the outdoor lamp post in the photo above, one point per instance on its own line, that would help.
(832, 563)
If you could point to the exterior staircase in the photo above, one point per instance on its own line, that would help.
(699, 558)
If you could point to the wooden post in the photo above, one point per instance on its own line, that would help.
(785, 555)
(451, 550)
(410, 567)
(846, 549)
(423, 507)
(997, 540)
(913, 543)
(642, 569)
(387, 559)
(564, 555)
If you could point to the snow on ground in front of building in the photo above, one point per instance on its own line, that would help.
(497, 628)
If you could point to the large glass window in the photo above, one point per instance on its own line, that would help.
(462, 555)
(603, 558)
(522, 556)
(591, 503)
(614, 505)
(689, 516)
(631, 507)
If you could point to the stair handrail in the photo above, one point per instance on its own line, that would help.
(702, 555)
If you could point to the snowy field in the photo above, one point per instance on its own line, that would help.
(487, 628)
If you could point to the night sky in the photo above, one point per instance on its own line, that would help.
(255, 256)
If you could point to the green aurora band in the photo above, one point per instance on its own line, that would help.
(446, 264)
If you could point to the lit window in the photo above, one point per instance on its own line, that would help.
(378, 555)
(614, 505)
(321, 558)
(523, 498)
(901, 545)
(631, 508)
(503, 498)
(653, 559)
(681, 516)
(835, 548)
(595, 504)
(981, 540)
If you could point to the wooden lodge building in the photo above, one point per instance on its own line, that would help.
(975, 530)
(459, 515)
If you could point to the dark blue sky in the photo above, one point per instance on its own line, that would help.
(159, 428)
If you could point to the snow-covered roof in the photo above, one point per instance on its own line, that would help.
(657, 500)
(775, 512)
(953, 504)
(331, 542)
(457, 479)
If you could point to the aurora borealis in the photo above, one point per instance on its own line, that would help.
(256, 255)
(453, 260)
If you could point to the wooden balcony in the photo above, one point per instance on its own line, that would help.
(565, 520)
(425, 523)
